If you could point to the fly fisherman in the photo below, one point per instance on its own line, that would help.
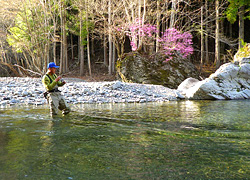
(51, 83)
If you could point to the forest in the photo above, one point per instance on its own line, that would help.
(86, 37)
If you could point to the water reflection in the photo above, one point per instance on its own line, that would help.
(171, 140)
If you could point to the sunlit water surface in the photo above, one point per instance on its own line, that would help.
(171, 140)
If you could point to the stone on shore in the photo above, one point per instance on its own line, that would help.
(153, 69)
(14, 90)
(230, 81)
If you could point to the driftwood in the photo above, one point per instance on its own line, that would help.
(11, 68)
(28, 72)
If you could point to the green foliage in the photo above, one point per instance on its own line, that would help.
(74, 22)
(232, 12)
(18, 36)
(30, 33)
(245, 50)
(233, 8)
(84, 32)
(243, 43)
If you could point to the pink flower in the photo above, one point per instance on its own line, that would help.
(171, 40)
(133, 45)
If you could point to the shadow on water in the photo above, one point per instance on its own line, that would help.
(171, 140)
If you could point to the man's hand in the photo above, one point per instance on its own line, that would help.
(58, 78)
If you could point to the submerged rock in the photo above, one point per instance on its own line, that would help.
(230, 81)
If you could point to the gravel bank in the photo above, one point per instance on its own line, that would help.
(15, 90)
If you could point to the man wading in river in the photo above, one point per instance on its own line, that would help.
(51, 83)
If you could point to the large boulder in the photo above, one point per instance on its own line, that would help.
(138, 68)
(230, 81)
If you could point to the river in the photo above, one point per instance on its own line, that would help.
(168, 140)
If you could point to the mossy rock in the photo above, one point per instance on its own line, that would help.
(152, 69)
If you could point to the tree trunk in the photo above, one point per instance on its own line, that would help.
(72, 47)
(65, 43)
(158, 26)
(230, 30)
(88, 38)
(54, 34)
(81, 57)
(92, 41)
(206, 36)
(143, 17)
(113, 58)
(217, 41)
(202, 40)
(88, 54)
(166, 21)
(110, 39)
(105, 61)
(46, 55)
(140, 23)
(173, 11)
(110, 55)
(241, 26)
(222, 45)
(54, 50)
(81, 54)
(61, 40)
(64, 56)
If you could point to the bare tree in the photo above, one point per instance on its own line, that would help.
(80, 43)
(206, 36)
(110, 38)
(217, 35)
(87, 28)
(158, 25)
(202, 40)
(241, 26)
(173, 12)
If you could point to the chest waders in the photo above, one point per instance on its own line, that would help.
(55, 100)
(53, 90)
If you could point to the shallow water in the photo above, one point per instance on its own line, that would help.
(170, 140)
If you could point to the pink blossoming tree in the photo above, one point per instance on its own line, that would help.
(171, 42)
(139, 30)
(174, 42)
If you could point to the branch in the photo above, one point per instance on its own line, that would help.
(11, 67)
(28, 71)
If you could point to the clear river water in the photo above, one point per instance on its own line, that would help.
(171, 140)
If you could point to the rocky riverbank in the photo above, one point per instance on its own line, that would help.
(230, 81)
(14, 90)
